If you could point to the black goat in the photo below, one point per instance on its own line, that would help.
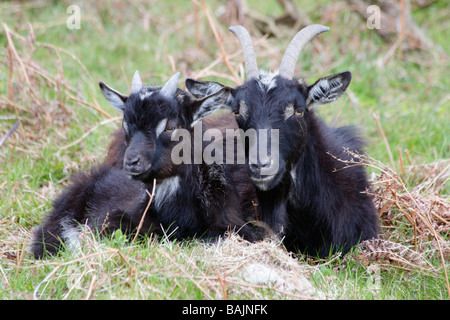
(309, 198)
(104, 199)
(197, 200)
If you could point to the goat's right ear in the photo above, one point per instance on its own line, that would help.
(328, 89)
(114, 97)
(202, 89)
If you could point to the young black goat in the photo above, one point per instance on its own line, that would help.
(104, 200)
(197, 200)
(193, 199)
(318, 206)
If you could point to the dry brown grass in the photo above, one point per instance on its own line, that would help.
(412, 202)
(418, 216)
(264, 264)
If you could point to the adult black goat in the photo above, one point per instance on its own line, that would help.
(308, 197)
(197, 200)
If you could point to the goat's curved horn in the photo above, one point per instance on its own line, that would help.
(251, 67)
(136, 84)
(170, 88)
(296, 46)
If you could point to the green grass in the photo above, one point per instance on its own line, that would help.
(410, 93)
(354, 281)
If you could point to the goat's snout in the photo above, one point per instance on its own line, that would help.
(135, 165)
(262, 154)
(261, 163)
(136, 160)
(133, 161)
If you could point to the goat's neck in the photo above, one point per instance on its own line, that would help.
(314, 167)
(272, 206)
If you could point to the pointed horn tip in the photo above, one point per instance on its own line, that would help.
(175, 77)
(136, 75)
(295, 47)
(320, 27)
(170, 87)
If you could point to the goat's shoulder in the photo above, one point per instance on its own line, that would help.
(334, 141)
(322, 166)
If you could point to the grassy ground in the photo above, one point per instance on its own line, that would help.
(49, 81)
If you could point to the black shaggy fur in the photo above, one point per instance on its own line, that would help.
(104, 200)
(317, 206)
(201, 200)
(191, 200)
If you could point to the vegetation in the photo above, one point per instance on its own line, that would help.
(49, 78)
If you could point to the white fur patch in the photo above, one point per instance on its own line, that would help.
(267, 80)
(125, 126)
(243, 109)
(144, 94)
(294, 175)
(160, 127)
(166, 189)
(70, 235)
(288, 111)
(263, 183)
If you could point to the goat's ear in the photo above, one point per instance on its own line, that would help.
(114, 97)
(328, 89)
(202, 89)
(211, 103)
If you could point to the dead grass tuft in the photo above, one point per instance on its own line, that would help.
(419, 216)
(264, 264)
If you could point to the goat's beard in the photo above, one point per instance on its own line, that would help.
(266, 182)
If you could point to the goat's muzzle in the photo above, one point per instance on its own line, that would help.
(135, 165)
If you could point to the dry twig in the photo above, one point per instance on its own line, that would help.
(141, 222)
(218, 40)
(428, 214)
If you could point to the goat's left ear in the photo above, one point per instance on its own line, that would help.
(328, 89)
(203, 107)
(201, 89)
(114, 97)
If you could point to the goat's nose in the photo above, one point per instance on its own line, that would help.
(132, 164)
(132, 161)
(264, 162)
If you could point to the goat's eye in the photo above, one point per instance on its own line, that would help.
(170, 126)
(299, 113)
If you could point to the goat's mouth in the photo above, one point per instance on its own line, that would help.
(139, 174)
(268, 177)
(267, 182)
